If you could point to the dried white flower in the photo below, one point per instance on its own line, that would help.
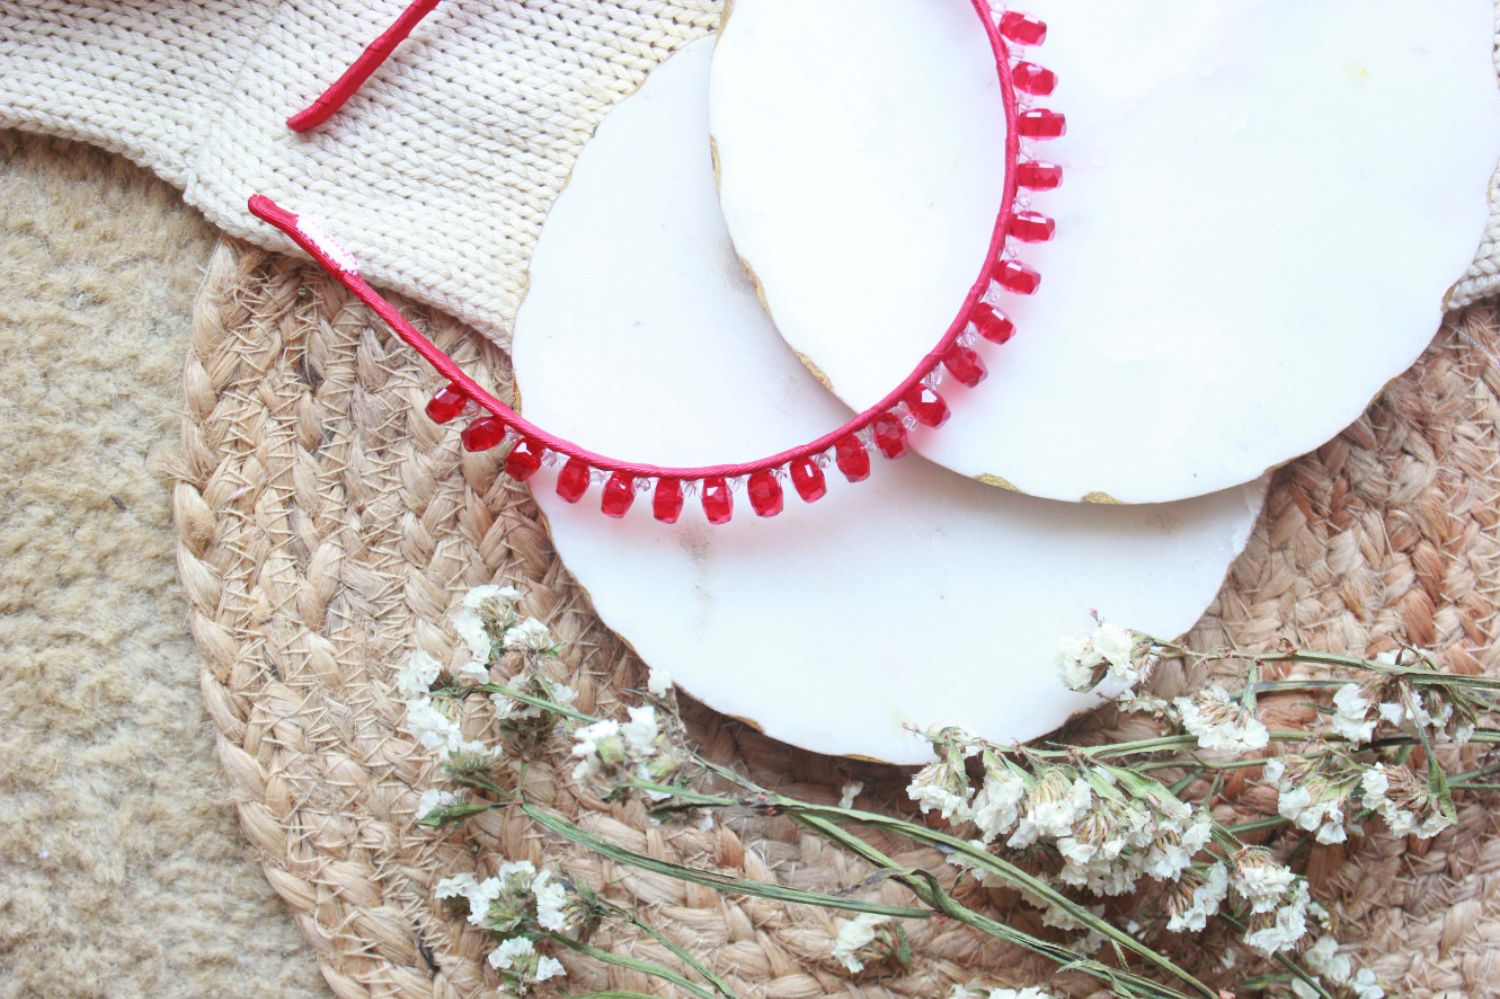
(849, 792)
(977, 992)
(533, 684)
(1316, 807)
(855, 936)
(944, 787)
(518, 956)
(1109, 650)
(1272, 932)
(641, 731)
(486, 610)
(1323, 958)
(658, 682)
(996, 808)
(416, 677)
(1053, 804)
(1204, 895)
(434, 798)
(551, 902)
(596, 745)
(1351, 714)
(1364, 985)
(434, 730)
(1221, 724)
(530, 635)
(480, 895)
(1259, 880)
(458, 886)
(1177, 840)
(1403, 801)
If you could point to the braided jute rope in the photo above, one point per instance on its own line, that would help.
(327, 529)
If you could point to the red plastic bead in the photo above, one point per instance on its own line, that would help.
(573, 480)
(483, 434)
(619, 494)
(926, 405)
(992, 324)
(890, 435)
(1039, 176)
(718, 501)
(666, 502)
(1017, 277)
(1031, 227)
(1040, 123)
(765, 493)
(523, 461)
(1023, 29)
(965, 365)
(445, 406)
(808, 479)
(1033, 79)
(853, 459)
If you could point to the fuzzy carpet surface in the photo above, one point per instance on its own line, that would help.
(122, 870)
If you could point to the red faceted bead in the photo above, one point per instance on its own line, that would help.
(524, 459)
(1033, 79)
(853, 459)
(807, 477)
(573, 480)
(965, 365)
(765, 493)
(1023, 29)
(619, 493)
(718, 501)
(483, 434)
(1031, 227)
(1017, 277)
(992, 324)
(447, 404)
(666, 502)
(926, 405)
(890, 435)
(1039, 176)
(1039, 123)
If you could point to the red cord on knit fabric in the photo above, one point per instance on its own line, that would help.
(915, 401)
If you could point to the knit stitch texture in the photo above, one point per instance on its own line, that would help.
(441, 169)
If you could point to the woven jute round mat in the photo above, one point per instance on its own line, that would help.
(327, 529)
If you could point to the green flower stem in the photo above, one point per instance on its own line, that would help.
(634, 964)
(712, 879)
(922, 834)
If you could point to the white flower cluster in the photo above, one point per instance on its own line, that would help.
(865, 938)
(1386, 699)
(1220, 724)
(1107, 836)
(1276, 898)
(1109, 650)
(613, 753)
(514, 902)
(1326, 961)
(1197, 898)
(1310, 799)
(1403, 801)
(979, 992)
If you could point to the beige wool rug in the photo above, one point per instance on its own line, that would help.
(122, 870)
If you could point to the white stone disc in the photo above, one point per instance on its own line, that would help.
(1265, 204)
(915, 597)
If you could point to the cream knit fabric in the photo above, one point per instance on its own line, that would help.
(441, 169)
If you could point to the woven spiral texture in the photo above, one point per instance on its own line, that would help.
(327, 529)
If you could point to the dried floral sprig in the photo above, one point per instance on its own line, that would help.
(1060, 825)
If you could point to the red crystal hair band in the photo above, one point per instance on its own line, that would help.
(915, 401)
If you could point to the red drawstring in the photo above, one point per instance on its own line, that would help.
(355, 76)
